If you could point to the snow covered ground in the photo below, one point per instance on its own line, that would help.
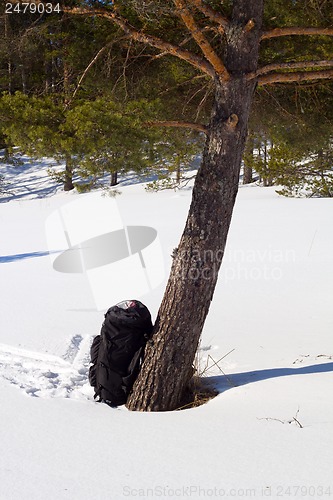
(269, 432)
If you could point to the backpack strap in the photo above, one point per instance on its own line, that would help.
(133, 370)
(98, 394)
(94, 356)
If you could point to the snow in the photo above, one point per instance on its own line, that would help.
(269, 432)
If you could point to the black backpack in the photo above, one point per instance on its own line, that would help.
(117, 353)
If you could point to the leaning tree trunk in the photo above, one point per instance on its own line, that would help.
(167, 368)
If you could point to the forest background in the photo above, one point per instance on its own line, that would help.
(77, 88)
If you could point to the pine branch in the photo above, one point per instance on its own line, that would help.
(212, 14)
(295, 30)
(139, 36)
(181, 44)
(178, 124)
(291, 65)
(197, 34)
(300, 76)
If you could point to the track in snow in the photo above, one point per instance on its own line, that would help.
(48, 376)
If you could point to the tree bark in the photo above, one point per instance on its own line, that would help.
(23, 76)
(68, 181)
(248, 171)
(49, 65)
(114, 178)
(167, 368)
(178, 169)
(248, 175)
(266, 166)
(9, 57)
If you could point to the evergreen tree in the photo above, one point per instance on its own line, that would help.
(93, 138)
(290, 142)
(222, 41)
(77, 61)
(111, 139)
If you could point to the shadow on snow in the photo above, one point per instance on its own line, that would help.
(223, 383)
(27, 179)
(4, 259)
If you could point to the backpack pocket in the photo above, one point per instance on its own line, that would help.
(92, 376)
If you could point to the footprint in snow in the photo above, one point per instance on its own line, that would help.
(48, 376)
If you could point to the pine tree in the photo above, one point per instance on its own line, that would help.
(231, 48)
(292, 133)
(228, 53)
(93, 138)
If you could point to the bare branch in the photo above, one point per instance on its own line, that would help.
(291, 65)
(185, 82)
(139, 36)
(199, 127)
(125, 66)
(294, 419)
(212, 14)
(92, 62)
(300, 76)
(184, 42)
(207, 50)
(270, 418)
(295, 30)
(204, 99)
